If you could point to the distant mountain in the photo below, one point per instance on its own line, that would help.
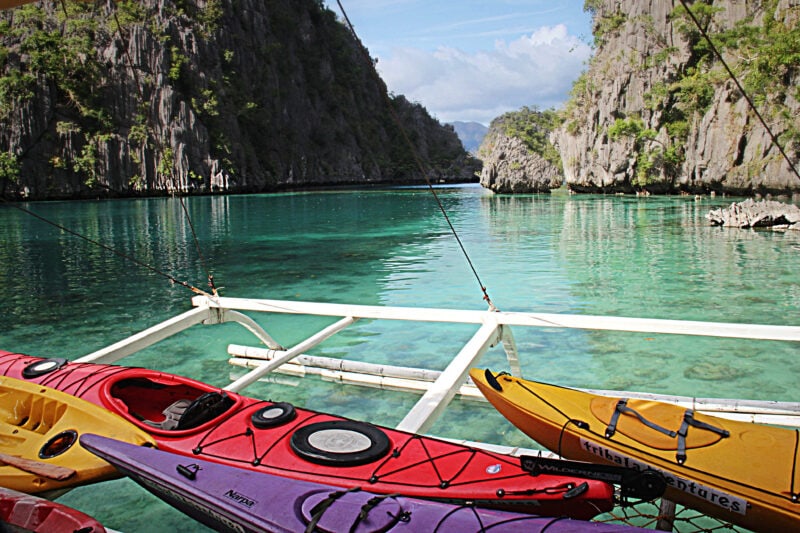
(471, 134)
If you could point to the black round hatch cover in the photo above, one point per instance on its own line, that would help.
(45, 366)
(340, 443)
(273, 415)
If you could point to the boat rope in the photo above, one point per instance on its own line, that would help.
(739, 86)
(417, 158)
(160, 148)
(161, 151)
(123, 255)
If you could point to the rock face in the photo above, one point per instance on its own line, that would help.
(509, 164)
(751, 214)
(201, 96)
(657, 112)
(510, 167)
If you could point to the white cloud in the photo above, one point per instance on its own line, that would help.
(536, 69)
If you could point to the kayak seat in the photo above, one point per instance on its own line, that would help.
(187, 414)
(205, 408)
(172, 415)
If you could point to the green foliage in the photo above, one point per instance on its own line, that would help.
(139, 134)
(15, 87)
(167, 162)
(657, 97)
(703, 12)
(629, 127)
(591, 6)
(693, 92)
(208, 103)
(9, 167)
(765, 56)
(66, 127)
(210, 16)
(608, 24)
(533, 128)
(677, 129)
(651, 161)
(129, 13)
(86, 164)
(176, 63)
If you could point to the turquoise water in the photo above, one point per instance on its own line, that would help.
(650, 257)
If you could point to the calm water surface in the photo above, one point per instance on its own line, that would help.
(596, 255)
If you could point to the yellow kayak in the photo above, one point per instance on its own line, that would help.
(747, 474)
(39, 431)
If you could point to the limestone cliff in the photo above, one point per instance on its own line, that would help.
(517, 155)
(655, 111)
(151, 96)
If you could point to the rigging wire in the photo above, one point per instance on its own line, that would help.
(106, 247)
(417, 158)
(160, 148)
(750, 102)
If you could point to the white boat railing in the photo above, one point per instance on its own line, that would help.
(438, 388)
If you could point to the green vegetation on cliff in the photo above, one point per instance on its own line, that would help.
(533, 128)
(657, 110)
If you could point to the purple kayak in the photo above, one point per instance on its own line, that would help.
(234, 499)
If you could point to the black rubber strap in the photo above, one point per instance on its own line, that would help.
(623, 408)
(689, 420)
(318, 510)
(369, 506)
(795, 496)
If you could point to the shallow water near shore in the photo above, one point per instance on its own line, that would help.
(648, 257)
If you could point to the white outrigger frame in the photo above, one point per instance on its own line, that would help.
(438, 388)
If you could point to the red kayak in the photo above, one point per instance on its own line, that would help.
(191, 418)
(24, 512)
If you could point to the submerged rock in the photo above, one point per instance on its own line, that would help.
(714, 372)
(752, 214)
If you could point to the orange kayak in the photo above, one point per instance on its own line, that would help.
(744, 473)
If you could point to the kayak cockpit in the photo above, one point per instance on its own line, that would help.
(168, 406)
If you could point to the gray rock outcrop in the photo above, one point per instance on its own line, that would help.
(656, 112)
(517, 154)
(510, 167)
(752, 214)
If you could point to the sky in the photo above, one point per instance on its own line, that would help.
(473, 60)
